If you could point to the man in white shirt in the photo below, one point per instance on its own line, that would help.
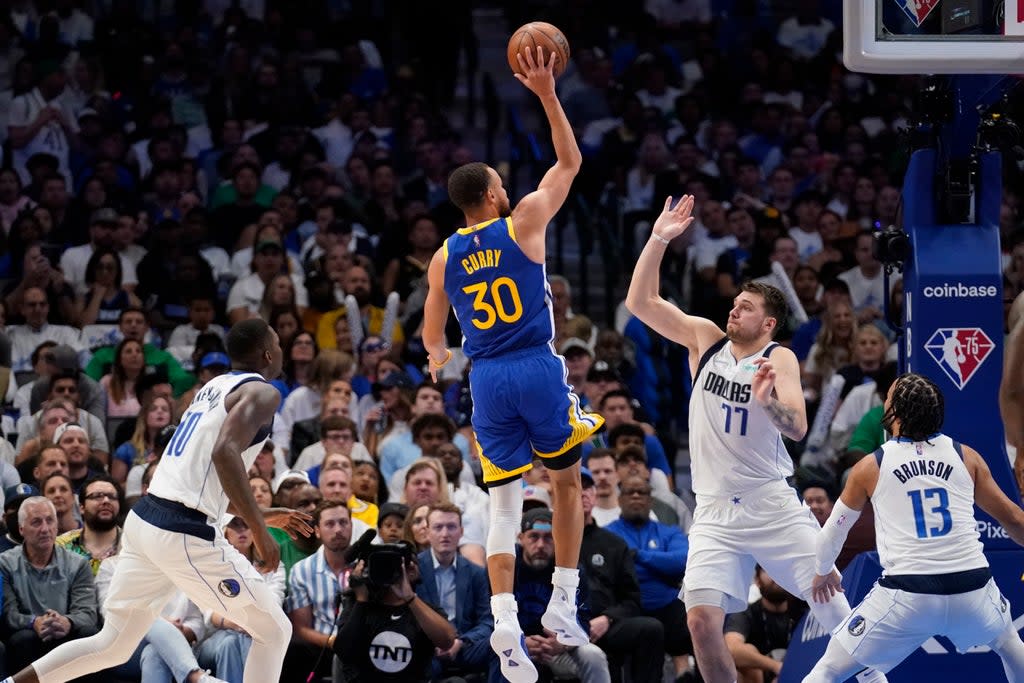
(25, 338)
(38, 122)
(807, 208)
(866, 282)
(247, 293)
(102, 225)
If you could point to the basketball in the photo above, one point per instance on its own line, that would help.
(543, 34)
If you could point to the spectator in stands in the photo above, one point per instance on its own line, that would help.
(835, 290)
(35, 307)
(65, 389)
(337, 435)
(391, 416)
(63, 360)
(660, 557)
(819, 496)
(201, 315)
(578, 359)
(460, 589)
(153, 382)
(304, 402)
(133, 325)
(14, 496)
(371, 350)
(51, 459)
(293, 490)
(268, 261)
(313, 585)
(74, 441)
(261, 490)
(210, 364)
(534, 566)
(832, 349)
(119, 383)
(74, 262)
(666, 507)
(40, 122)
(366, 482)
(758, 637)
(299, 353)
(616, 625)
(414, 529)
(140, 450)
(106, 292)
(57, 488)
(40, 359)
(429, 432)
(49, 595)
(866, 280)
(391, 522)
(52, 416)
(226, 644)
(617, 409)
(101, 500)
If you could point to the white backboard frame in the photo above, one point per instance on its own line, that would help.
(862, 51)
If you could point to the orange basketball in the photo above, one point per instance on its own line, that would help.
(548, 37)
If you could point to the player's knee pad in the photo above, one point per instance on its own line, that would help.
(706, 597)
(506, 516)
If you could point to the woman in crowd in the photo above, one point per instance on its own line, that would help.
(414, 530)
(119, 383)
(279, 293)
(299, 353)
(304, 402)
(261, 490)
(131, 457)
(286, 321)
(12, 201)
(832, 349)
(59, 489)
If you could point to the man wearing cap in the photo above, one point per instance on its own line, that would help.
(616, 625)
(14, 496)
(534, 567)
(62, 396)
(39, 121)
(391, 522)
(132, 324)
(25, 338)
(63, 360)
(74, 441)
(268, 261)
(49, 594)
(578, 359)
(73, 262)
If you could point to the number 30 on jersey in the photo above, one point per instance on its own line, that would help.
(499, 301)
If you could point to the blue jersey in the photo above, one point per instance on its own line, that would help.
(500, 296)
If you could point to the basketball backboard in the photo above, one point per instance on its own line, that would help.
(934, 36)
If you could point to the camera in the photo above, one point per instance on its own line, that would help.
(383, 562)
(892, 247)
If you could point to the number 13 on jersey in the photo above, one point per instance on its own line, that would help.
(498, 301)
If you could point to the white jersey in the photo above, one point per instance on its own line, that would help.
(924, 509)
(734, 447)
(186, 473)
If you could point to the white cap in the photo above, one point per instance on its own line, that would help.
(290, 474)
(67, 427)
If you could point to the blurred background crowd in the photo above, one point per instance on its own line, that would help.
(171, 168)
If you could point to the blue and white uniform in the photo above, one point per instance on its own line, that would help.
(935, 577)
(173, 536)
(746, 512)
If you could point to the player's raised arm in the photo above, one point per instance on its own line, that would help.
(534, 211)
(776, 387)
(1011, 389)
(250, 407)
(644, 299)
(990, 498)
(435, 315)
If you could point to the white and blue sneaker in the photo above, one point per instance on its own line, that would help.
(509, 644)
(560, 619)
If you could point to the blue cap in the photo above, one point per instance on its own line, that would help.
(16, 494)
(215, 358)
(586, 477)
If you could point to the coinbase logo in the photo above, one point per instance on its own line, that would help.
(959, 290)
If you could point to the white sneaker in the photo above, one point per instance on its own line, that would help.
(560, 619)
(871, 676)
(509, 644)
(208, 678)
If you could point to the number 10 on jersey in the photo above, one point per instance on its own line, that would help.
(176, 446)
(741, 419)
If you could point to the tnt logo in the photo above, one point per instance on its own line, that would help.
(959, 351)
(917, 10)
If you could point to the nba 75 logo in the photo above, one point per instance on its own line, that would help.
(917, 10)
(959, 351)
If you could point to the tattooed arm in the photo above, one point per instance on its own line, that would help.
(776, 387)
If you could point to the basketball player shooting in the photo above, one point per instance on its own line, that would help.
(746, 397)
(935, 577)
(492, 273)
(172, 537)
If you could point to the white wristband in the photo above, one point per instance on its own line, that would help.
(658, 237)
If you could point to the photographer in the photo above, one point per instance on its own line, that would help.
(387, 632)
